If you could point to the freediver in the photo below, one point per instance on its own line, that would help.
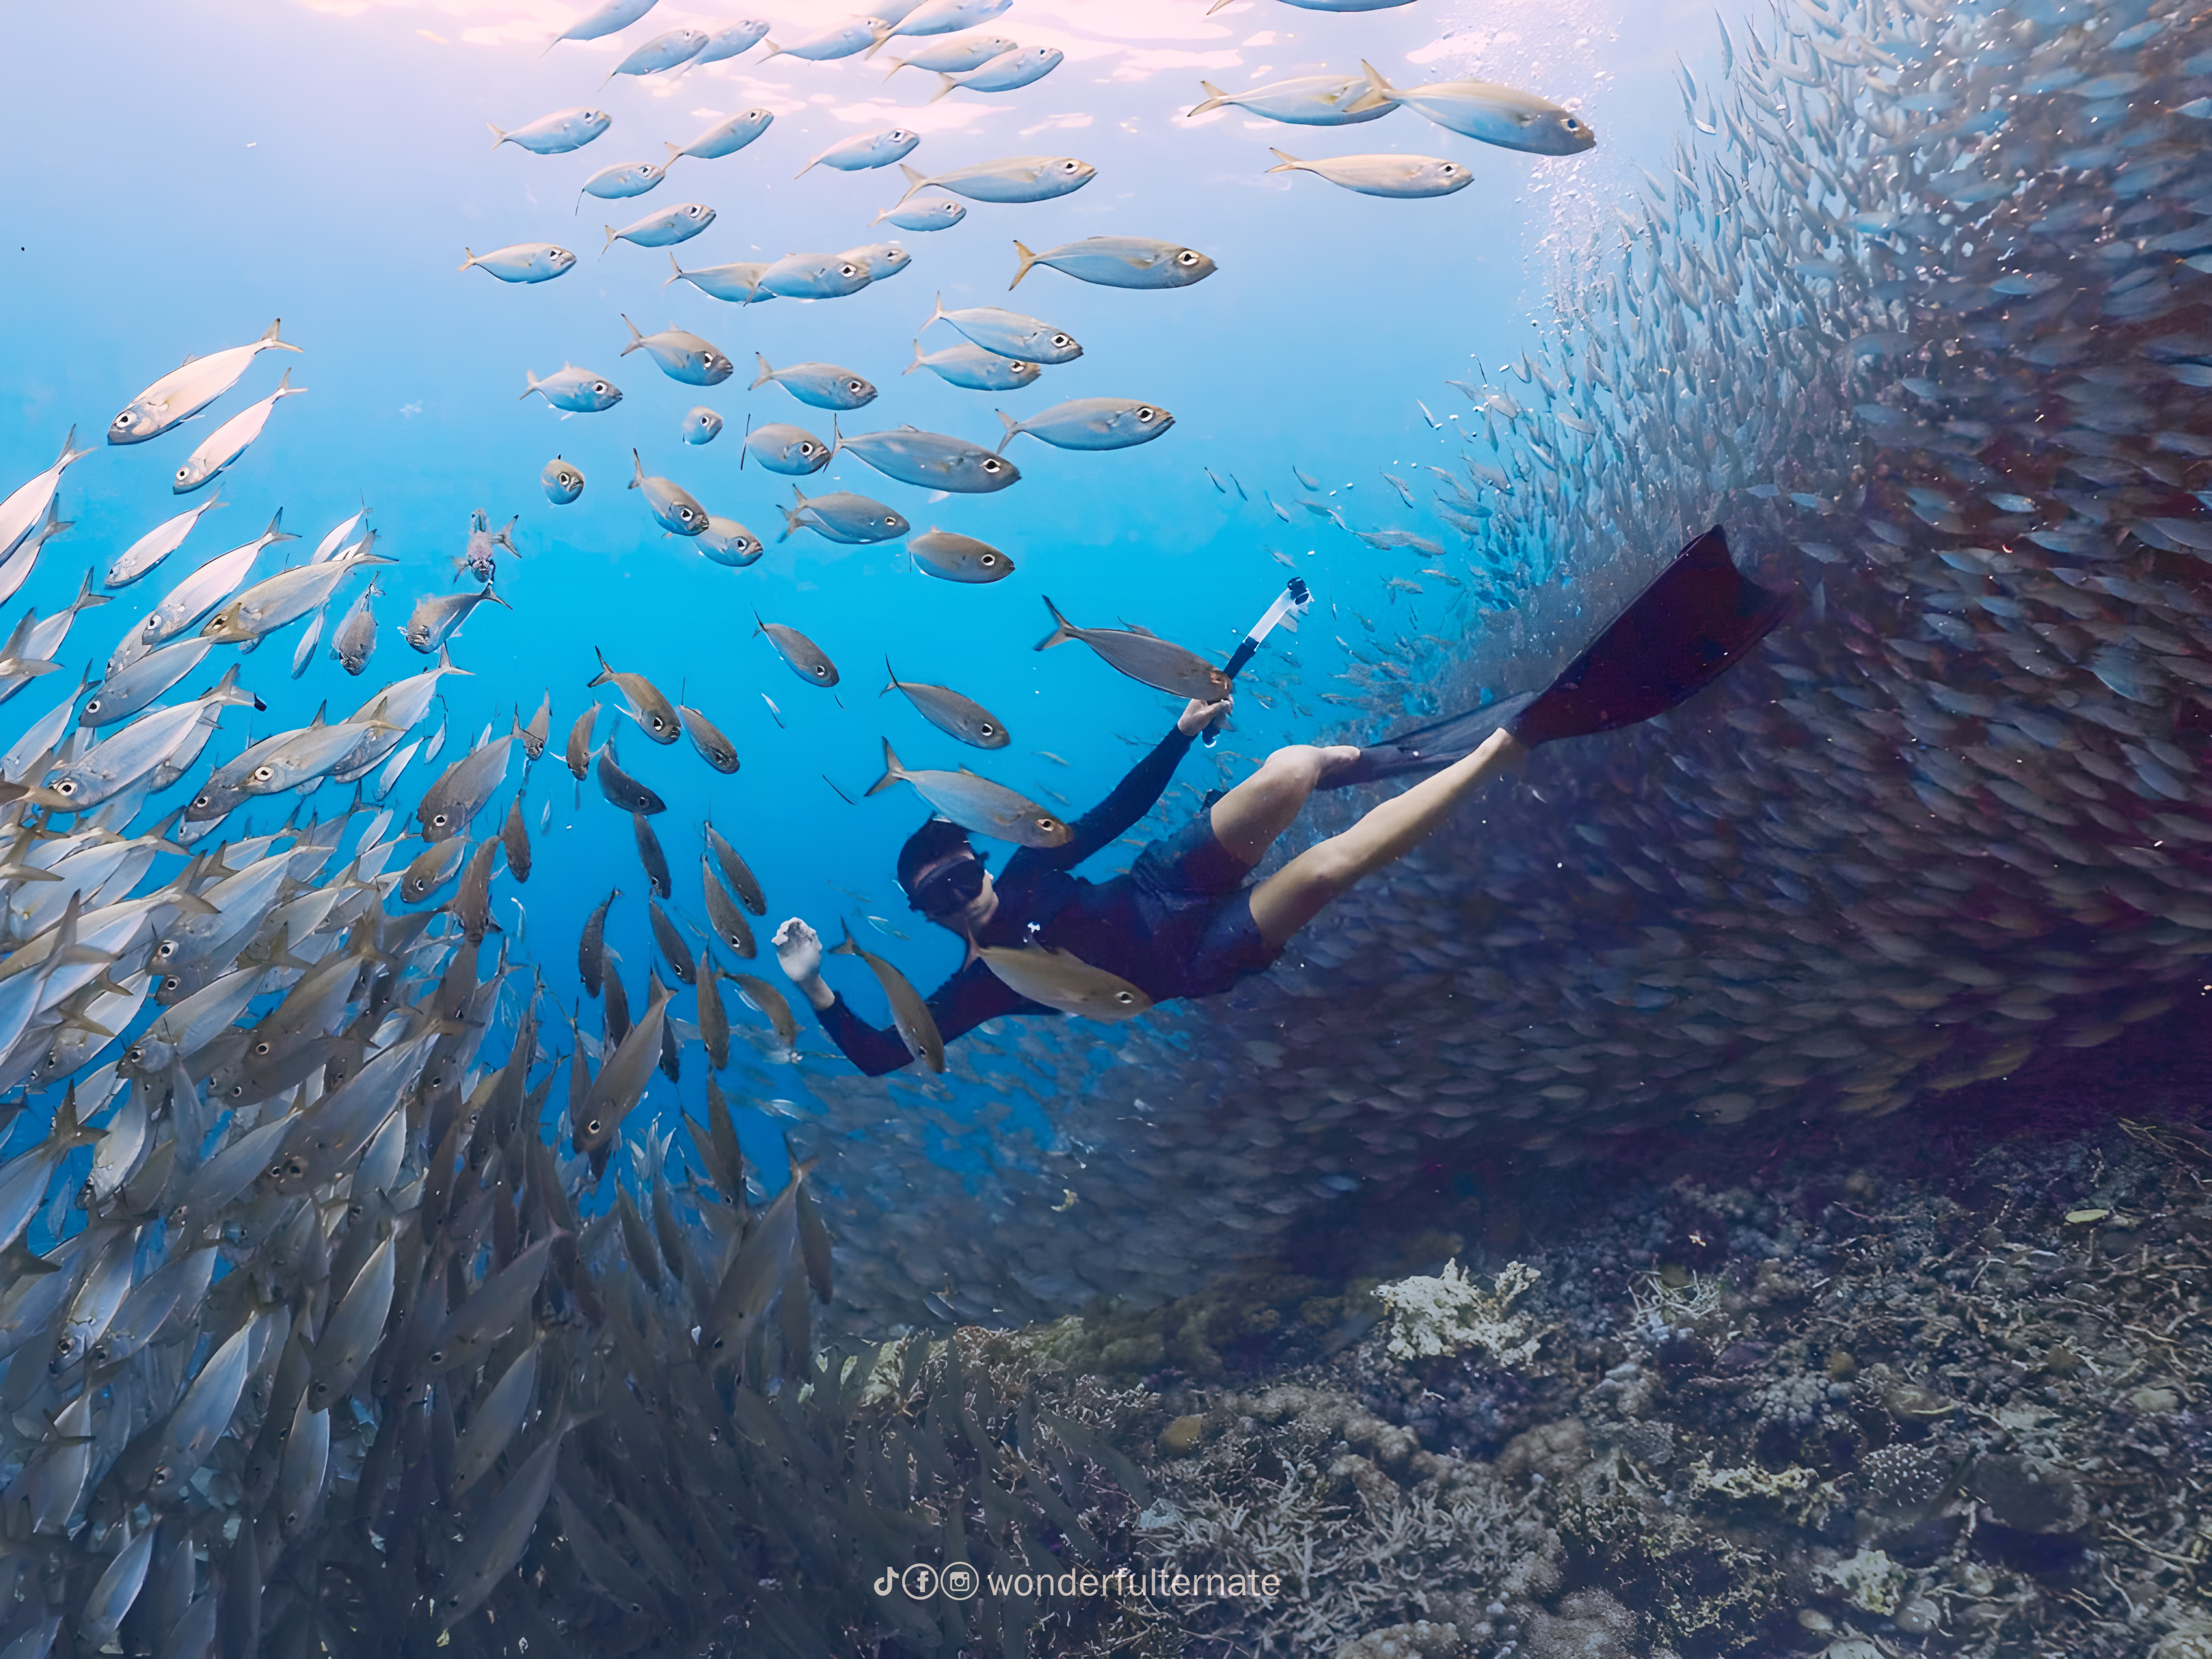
(1182, 921)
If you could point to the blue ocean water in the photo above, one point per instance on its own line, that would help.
(327, 164)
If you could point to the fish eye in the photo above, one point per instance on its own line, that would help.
(593, 1128)
(600, 386)
(169, 949)
(184, 472)
(124, 419)
(262, 774)
(1144, 415)
(66, 787)
(1573, 125)
(170, 982)
(992, 463)
(1186, 257)
(987, 730)
(987, 559)
(1070, 166)
(92, 707)
(1062, 340)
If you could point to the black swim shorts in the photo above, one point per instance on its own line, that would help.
(1197, 913)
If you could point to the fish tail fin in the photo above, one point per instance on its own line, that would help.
(1285, 162)
(1011, 425)
(1060, 634)
(808, 168)
(1025, 259)
(1215, 97)
(915, 180)
(676, 270)
(951, 85)
(773, 50)
(446, 662)
(531, 387)
(836, 440)
(1379, 91)
(895, 69)
(494, 598)
(604, 676)
(268, 337)
(1216, 6)
(882, 35)
(610, 241)
(893, 672)
(472, 253)
(277, 532)
(849, 948)
(893, 772)
(499, 133)
(916, 364)
(765, 375)
(636, 339)
(675, 153)
(637, 469)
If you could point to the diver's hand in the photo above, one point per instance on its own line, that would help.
(799, 950)
(1197, 716)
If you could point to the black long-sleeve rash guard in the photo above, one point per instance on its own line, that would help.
(1096, 920)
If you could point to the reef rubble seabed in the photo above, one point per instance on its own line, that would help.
(1867, 1396)
(1923, 313)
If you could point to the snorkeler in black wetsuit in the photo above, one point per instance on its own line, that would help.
(1182, 922)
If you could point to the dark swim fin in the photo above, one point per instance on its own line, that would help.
(1426, 748)
(1697, 617)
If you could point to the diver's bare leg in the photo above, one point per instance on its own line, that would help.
(1247, 820)
(1298, 892)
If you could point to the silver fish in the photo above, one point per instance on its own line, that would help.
(556, 134)
(831, 44)
(727, 541)
(923, 215)
(726, 137)
(824, 386)
(438, 617)
(1312, 101)
(814, 276)
(950, 713)
(958, 558)
(971, 367)
(1403, 177)
(622, 181)
(673, 507)
(683, 356)
(610, 18)
(355, 640)
(663, 51)
(156, 544)
(739, 283)
(198, 594)
(731, 40)
(879, 259)
(1061, 980)
(1014, 71)
(578, 390)
(869, 149)
(1144, 656)
(1010, 334)
(641, 700)
(793, 451)
(1119, 262)
(563, 481)
(957, 57)
(281, 599)
(124, 694)
(931, 460)
(523, 262)
(701, 425)
(1013, 178)
(842, 516)
(717, 750)
(800, 654)
(1091, 423)
(221, 447)
(679, 224)
(910, 1015)
(449, 805)
(1494, 114)
(976, 803)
